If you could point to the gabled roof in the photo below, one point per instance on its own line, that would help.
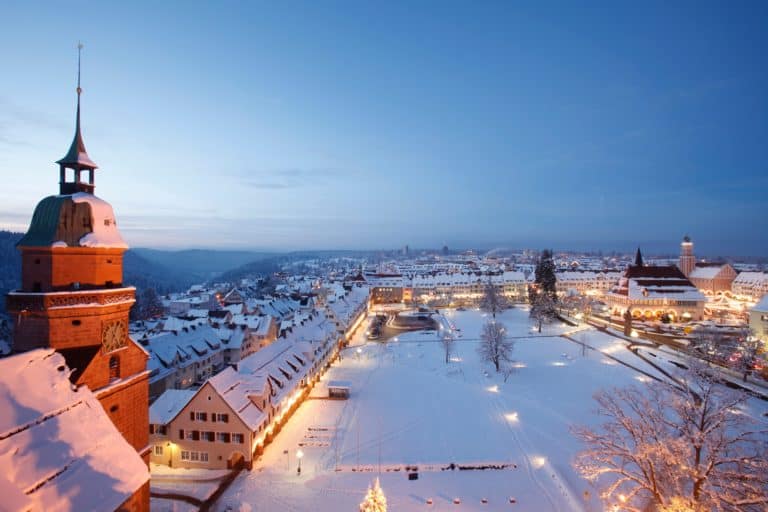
(169, 405)
(237, 389)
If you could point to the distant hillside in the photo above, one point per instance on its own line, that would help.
(200, 264)
(261, 267)
(143, 273)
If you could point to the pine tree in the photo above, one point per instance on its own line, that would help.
(374, 500)
(545, 274)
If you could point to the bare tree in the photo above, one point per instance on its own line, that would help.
(494, 346)
(668, 447)
(542, 306)
(507, 370)
(749, 349)
(448, 346)
(492, 301)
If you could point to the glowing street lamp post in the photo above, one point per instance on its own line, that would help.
(299, 455)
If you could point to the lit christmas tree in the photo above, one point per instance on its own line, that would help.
(374, 501)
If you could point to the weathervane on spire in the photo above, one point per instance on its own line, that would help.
(79, 50)
(77, 157)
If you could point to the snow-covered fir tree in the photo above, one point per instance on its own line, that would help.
(374, 500)
(544, 276)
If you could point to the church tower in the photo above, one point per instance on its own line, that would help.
(687, 261)
(72, 297)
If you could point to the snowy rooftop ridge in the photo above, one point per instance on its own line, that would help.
(168, 405)
(58, 448)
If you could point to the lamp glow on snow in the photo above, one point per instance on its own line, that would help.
(512, 417)
(494, 388)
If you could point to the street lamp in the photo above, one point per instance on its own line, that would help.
(299, 455)
(170, 449)
(359, 351)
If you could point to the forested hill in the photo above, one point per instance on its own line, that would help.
(200, 264)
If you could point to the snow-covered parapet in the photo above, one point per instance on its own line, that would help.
(105, 233)
(58, 448)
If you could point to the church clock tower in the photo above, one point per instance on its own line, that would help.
(687, 261)
(72, 297)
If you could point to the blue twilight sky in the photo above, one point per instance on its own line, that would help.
(324, 124)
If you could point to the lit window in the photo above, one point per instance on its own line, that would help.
(158, 449)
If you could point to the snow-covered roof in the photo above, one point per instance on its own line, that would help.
(173, 323)
(751, 278)
(435, 279)
(706, 272)
(232, 337)
(44, 230)
(180, 349)
(278, 308)
(168, 405)
(197, 313)
(237, 389)
(59, 450)
(104, 225)
(339, 384)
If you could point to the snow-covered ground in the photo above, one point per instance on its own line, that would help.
(408, 408)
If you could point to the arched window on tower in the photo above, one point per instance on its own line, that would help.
(114, 368)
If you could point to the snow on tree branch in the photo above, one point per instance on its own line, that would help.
(676, 447)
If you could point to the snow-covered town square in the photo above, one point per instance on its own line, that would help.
(334, 256)
(466, 434)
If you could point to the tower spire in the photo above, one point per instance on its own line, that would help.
(638, 258)
(77, 157)
(79, 51)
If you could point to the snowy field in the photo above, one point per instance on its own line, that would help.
(408, 408)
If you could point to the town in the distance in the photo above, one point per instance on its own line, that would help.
(445, 379)
(405, 379)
